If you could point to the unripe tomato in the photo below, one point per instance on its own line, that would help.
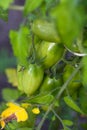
(50, 84)
(75, 82)
(50, 52)
(31, 79)
(45, 30)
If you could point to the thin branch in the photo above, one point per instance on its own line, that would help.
(58, 117)
(43, 119)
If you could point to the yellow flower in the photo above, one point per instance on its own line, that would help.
(13, 111)
(2, 124)
(36, 110)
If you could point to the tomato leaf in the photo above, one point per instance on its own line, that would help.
(31, 5)
(44, 99)
(12, 76)
(83, 99)
(66, 128)
(5, 3)
(67, 122)
(20, 43)
(72, 104)
(10, 94)
(4, 14)
(49, 3)
(69, 20)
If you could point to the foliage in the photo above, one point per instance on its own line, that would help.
(5, 4)
(51, 51)
(6, 62)
(3, 14)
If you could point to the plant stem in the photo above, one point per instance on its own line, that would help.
(58, 117)
(34, 50)
(16, 7)
(43, 119)
(58, 96)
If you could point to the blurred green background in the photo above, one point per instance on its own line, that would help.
(7, 59)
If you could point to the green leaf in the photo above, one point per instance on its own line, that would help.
(5, 3)
(67, 122)
(49, 3)
(66, 128)
(11, 74)
(44, 99)
(3, 14)
(83, 99)
(56, 104)
(69, 20)
(21, 42)
(3, 106)
(11, 126)
(53, 118)
(84, 71)
(72, 104)
(31, 5)
(10, 94)
(5, 61)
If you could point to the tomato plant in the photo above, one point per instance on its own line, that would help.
(51, 51)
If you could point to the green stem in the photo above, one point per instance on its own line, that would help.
(58, 117)
(58, 96)
(16, 7)
(43, 119)
(67, 91)
(34, 50)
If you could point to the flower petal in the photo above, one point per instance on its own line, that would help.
(36, 110)
(2, 123)
(21, 115)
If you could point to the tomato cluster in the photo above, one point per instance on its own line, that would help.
(42, 74)
(46, 51)
(51, 40)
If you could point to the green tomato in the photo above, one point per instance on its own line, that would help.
(50, 52)
(75, 82)
(50, 84)
(45, 30)
(31, 79)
